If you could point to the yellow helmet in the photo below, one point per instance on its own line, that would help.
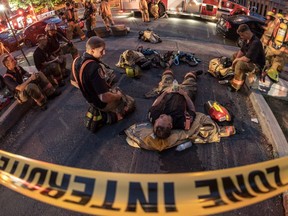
(273, 74)
(133, 71)
(270, 13)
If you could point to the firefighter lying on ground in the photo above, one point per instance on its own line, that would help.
(276, 51)
(174, 118)
(249, 59)
(36, 86)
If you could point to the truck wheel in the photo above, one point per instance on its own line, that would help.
(162, 9)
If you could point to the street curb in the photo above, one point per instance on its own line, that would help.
(269, 124)
(12, 115)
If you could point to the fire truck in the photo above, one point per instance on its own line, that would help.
(207, 9)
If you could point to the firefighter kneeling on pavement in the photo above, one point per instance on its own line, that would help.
(276, 51)
(250, 59)
(36, 86)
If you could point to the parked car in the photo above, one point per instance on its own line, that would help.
(228, 25)
(8, 40)
(31, 31)
(259, 16)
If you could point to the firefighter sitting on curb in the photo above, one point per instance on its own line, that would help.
(249, 59)
(72, 23)
(174, 118)
(44, 63)
(36, 86)
(55, 49)
(276, 51)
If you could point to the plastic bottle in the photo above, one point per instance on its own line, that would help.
(184, 146)
(175, 86)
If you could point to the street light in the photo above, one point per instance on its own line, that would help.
(2, 8)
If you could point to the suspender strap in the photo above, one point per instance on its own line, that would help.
(79, 79)
(81, 72)
(188, 119)
(74, 82)
(9, 75)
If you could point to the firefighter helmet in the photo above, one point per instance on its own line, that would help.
(133, 71)
(270, 13)
(216, 111)
(50, 27)
(273, 74)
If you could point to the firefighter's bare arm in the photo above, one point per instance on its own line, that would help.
(52, 61)
(189, 102)
(239, 54)
(159, 99)
(22, 86)
(243, 58)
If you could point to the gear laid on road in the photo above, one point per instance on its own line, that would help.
(216, 111)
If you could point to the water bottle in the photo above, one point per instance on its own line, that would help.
(175, 86)
(184, 146)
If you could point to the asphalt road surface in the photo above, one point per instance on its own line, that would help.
(58, 135)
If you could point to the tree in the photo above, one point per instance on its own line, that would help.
(38, 5)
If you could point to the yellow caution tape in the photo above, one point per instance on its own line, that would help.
(107, 193)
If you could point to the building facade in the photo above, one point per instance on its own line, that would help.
(262, 6)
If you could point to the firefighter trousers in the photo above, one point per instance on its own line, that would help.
(189, 84)
(37, 89)
(241, 69)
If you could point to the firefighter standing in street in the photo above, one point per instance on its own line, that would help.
(106, 14)
(89, 15)
(143, 7)
(72, 23)
(155, 9)
(276, 52)
(268, 29)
